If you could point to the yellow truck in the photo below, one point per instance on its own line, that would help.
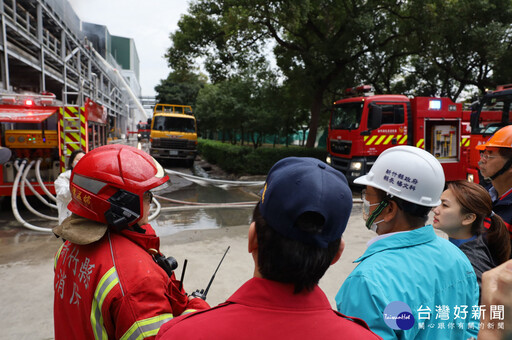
(173, 133)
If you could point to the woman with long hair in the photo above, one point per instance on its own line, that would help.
(464, 208)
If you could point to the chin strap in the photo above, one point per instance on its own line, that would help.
(383, 204)
(505, 168)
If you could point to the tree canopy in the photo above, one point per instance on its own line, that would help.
(180, 88)
(416, 47)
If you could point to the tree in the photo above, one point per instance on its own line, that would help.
(457, 43)
(251, 105)
(316, 41)
(181, 87)
(416, 47)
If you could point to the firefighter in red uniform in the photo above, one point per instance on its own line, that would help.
(294, 237)
(495, 164)
(107, 283)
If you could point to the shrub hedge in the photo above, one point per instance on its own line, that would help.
(242, 160)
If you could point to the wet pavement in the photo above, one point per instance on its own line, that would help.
(26, 256)
(200, 235)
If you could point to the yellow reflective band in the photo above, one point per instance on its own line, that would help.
(420, 143)
(365, 138)
(82, 129)
(404, 139)
(381, 138)
(57, 255)
(188, 311)
(107, 282)
(371, 140)
(142, 329)
(388, 140)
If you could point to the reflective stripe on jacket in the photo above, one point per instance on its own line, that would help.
(112, 289)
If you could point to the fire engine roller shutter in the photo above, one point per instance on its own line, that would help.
(17, 115)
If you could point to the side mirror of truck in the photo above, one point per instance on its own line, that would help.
(149, 121)
(374, 116)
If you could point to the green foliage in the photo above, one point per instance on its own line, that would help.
(180, 87)
(458, 43)
(228, 157)
(245, 160)
(320, 47)
(250, 105)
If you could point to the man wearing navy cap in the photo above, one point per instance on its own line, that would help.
(294, 237)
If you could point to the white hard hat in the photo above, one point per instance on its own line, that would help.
(409, 173)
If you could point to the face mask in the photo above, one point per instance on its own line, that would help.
(369, 218)
(366, 209)
(375, 225)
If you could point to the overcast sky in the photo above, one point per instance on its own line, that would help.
(148, 22)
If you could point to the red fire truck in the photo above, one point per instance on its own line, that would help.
(36, 129)
(143, 131)
(488, 115)
(363, 125)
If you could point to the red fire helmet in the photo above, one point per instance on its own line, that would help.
(107, 185)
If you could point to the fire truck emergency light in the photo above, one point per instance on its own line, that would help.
(29, 102)
(358, 89)
(434, 104)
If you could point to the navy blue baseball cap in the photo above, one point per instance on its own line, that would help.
(296, 185)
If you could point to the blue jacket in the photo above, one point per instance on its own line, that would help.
(424, 271)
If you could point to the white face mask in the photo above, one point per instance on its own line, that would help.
(375, 225)
(366, 208)
(366, 215)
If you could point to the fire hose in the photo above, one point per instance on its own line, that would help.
(21, 180)
(41, 183)
(14, 205)
(41, 198)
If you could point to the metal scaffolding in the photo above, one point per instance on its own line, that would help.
(43, 50)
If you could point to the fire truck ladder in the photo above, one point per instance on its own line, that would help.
(73, 132)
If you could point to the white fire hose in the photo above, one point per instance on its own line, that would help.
(24, 197)
(14, 205)
(25, 181)
(41, 183)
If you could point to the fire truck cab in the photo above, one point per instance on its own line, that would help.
(173, 133)
(363, 125)
(143, 131)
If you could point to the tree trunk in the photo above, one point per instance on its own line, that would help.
(316, 107)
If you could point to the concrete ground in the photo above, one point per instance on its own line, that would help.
(26, 270)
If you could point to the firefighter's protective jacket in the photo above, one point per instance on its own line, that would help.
(113, 289)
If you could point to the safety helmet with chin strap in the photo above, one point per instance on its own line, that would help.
(409, 173)
(108, 183)
(501, 139)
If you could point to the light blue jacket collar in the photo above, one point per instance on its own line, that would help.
(401, 240)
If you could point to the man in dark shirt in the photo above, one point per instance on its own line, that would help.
(294, 237)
